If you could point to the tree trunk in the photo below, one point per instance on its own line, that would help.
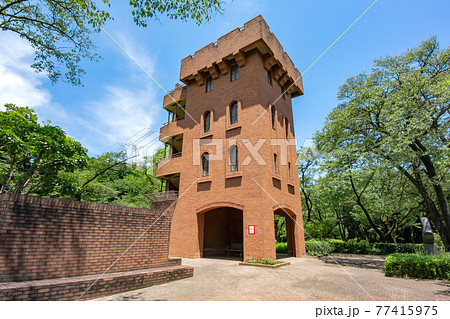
(366, 213)
(430, 206)
(438, 190)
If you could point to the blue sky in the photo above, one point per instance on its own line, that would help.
(118, 99)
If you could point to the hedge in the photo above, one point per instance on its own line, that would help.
(353, 246)
(418, 266)
(314, 248)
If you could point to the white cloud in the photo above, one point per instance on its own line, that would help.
(111, 116)
(19, 84)
(121, 112)
(124, 110)
(135, 51)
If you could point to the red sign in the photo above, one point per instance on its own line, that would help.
(251, 229)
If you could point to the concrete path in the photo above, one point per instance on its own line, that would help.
(307, 278)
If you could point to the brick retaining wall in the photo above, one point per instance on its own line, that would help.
(45, 238)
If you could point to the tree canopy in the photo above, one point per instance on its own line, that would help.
(110, 179)
(40, 159)
(32, 154)
(60, 30)
(398, 117)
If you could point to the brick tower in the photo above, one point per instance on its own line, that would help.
(231, 102)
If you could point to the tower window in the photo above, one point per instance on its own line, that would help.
(234, 73)
(207, 122)
(289, 169)
(275, 163)
(205, 164)
(234, 113)
(286, 127)
(209, 84)
(272, 111)
(282, 92)
(269, 77)
(234, 158)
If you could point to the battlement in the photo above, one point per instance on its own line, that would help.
(254, 34)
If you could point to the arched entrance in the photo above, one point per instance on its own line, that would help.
(221, 231)
(289, 222)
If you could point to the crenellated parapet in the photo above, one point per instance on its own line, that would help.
(214, 59)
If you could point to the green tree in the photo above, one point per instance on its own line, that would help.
(308, 160)
(280, 228)
(399, 113)
(110, 179)
(60, 30)
(32, 154)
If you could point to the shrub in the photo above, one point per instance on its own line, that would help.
(408, 248)
(363, 247)
(384, 248)
(268, 261)
(418, 266)
(390, 248)
(314, 247)
(264, 261)
(281, 248)
(353, 246)
(338, 245)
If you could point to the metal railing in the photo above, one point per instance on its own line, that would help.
(167, 158)
(174, 89)
(174, 120)
(163, 196)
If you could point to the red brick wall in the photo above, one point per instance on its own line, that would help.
(43, 238)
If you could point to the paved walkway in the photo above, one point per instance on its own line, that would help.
(307, 278)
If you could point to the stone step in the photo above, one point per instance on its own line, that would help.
(72, 288)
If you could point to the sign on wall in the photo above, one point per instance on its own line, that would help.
(251, 229)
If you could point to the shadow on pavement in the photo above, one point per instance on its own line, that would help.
(358, 262)
(223, 257)
(445, 284)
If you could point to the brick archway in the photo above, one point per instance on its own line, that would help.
(286, 208)
(215, 205)
(291, 224)
(221, 229)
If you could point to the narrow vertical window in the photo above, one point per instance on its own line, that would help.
(234, 73)
(272, 111)
(209, 84)
(269, 77)
(234, 156)
(282, 93)
(205, 164)
(286, 127)
(207, 122)
(234, 113)
(289, 169)
(275, 163)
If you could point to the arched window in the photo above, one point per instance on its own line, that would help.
(234, 113)
(205, 164)
(272, 111)
(286, 127)
(207, 122)
(234, 158)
